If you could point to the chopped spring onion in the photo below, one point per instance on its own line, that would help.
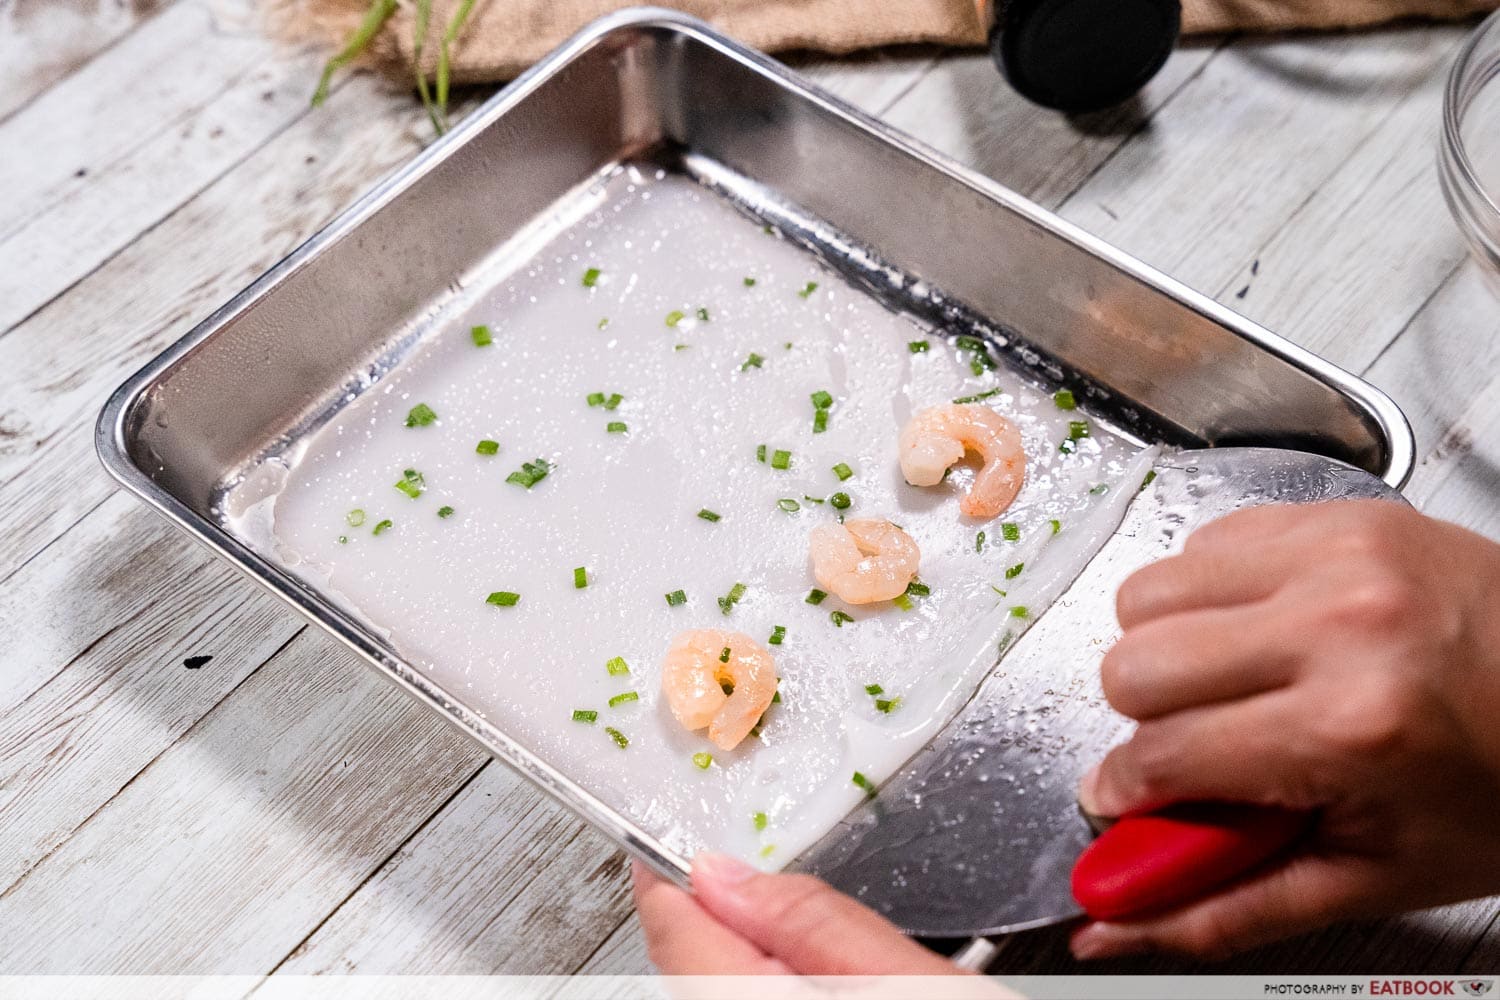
(1020, 611)
(596, 399)
(874, 689)
(420, 416)
(503, 599)
(979, 542)
(918, 346)
(708, 515)
(820, 421)
(1014, 571)
(623, 698)
(617, 666)
(703, 314)
(1010, 531)
(1068, 446)
(675, 598)
(603, 322)
(778, 633)
(760, 820)
(343, 539)
(1150, 476)
(411, 483)
(530, 473)
(815, 596)
(487, 447)
(615, 427)
(729, 600)
(978, 396)
(382, 526)
(840, 501)
(918, 589)
(887, 705)
(807, 289)
(776, 698)
(768, 850)
(702, 761)
(980, 360)
(580, 577)
(728, 688)
(760, 453)
(781, 460)
(1064, 399)
(1077, 429)
(864, 783)
(749, 282)
(591, 277)
(814, 499)
(789, 505)
(681, 347)
(724, 655)
(838, 618)
(821, 400)
(1100, 490)
(355, 517)
(903, 602)
(481, 336)
(614, 400)
(445, 511)
(584, 715)
(753, 361)
(1056, 526)
(620, 739)
(674, 317)
(842, 471)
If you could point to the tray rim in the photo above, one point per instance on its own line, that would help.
(111, 428)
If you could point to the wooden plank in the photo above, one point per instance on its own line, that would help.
(43, 41)
(128, 139)
(234, 844)
(94, 637)
(499, 865)
(623, 953)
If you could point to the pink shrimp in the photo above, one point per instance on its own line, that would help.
(695, 672)
(863, 560)
(936, 438)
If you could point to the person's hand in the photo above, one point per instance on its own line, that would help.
(1342, 658)
(739, 921)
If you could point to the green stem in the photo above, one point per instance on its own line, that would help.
(379, 12)
(455, 25)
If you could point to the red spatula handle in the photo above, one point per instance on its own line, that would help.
(1158, 861)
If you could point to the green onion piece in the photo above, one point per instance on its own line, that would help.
(815, 596)
(918, 346)
(1077, 429)
(420, 416)
(702, 761)
(979, 542)
(681, 347)
(1020, 611)
(813, 499)
(789, 505)
(591, 277)
(760, 820)
(978, 396)
(980, 359)
(874, 689)
(1064, 399)
(382, 526)
(708, 515)
(584, 715)
(768, 850)
(411, 483)
(675, 598)
(760, 453)
(1150, 475)
(749, 282)
(820, 421)
(1068, 446)
(903, 602)
(728, 688)
(778, 633)
(530, 473)
(487, 447)
(1100, 490)
(603, 322)
(481, 336)
(724, 655)
(1056, 526)
(1010, 531)
(887, 705)
(787, 345)
(617, 666)
(842, 471)
(1014, 571)
(596, 399)
(355, 517)
(864, 783)
(503, 599)
(753, 361)
(580, 577)
(768, 230)
(821, 400)
(918, 589)
(625, 697)
(703, 314)
(617, 736)
(674, 317)
(614, 400)
(615, 427)
(807, 289)
(838, 618)
(781, 460)
(776, 698)
(445, 511)
(840, 501)
(343, 539)
(729, 600)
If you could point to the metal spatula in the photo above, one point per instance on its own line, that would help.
(981, 832)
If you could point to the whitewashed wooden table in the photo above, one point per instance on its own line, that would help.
(279, 808)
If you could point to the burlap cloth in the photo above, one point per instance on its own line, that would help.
(503, 37)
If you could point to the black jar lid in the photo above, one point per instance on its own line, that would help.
(1083, 55)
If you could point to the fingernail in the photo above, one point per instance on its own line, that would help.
(721, 869)
(1100, 940)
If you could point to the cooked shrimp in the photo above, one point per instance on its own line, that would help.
(694, 675)
(937, 437)
(863, 560)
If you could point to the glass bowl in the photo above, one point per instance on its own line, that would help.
(1469, 163)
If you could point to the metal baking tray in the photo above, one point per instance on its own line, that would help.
(957, 250)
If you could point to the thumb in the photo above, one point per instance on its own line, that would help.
(1306, 892)
(811, 927)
